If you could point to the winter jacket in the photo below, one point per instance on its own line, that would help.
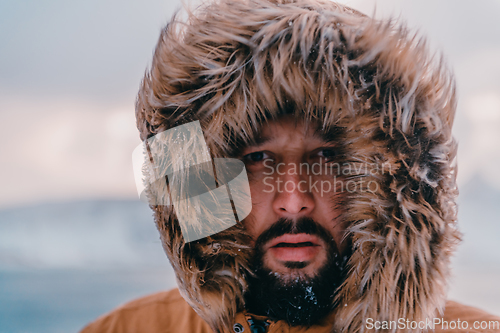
(236, 64)
(168, 312)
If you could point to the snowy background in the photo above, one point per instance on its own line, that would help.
(75, 242)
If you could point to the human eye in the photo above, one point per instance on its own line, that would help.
(256, 157)
(327, 154)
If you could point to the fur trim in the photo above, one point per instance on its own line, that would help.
(236, 64)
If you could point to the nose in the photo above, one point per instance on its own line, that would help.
(293, 197)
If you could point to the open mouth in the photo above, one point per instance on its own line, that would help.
(301, 244)
(294, 248)
(294, 240)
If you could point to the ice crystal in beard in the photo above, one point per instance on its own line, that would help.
(297, 299)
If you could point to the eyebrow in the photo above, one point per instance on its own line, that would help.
(259, 140)
(330, 136)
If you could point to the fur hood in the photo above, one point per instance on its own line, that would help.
(235, 64)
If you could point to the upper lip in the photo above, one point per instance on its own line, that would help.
(294, 239)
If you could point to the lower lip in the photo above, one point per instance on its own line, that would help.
(300, 254)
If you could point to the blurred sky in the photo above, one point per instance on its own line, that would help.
(69, 72)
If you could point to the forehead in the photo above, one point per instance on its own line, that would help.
(287, 130)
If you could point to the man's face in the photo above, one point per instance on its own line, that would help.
(294, 222)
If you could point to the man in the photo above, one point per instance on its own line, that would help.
(344, 126)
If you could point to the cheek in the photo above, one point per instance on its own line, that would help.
(262, 192)
(329, 210)
(249, 225)
(261, 213)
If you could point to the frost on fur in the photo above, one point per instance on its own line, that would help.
(235, 64)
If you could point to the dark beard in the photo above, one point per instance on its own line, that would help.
(300, 301)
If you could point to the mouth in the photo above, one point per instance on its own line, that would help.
(294, 248)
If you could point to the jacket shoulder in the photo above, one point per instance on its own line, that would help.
(458, 318)
(165, 312)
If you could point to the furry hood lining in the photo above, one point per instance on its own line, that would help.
(236, 64)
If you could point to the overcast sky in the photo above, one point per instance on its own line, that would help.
(69, 72)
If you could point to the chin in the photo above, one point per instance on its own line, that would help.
(292, 276)
(297, 270)
(299, 296)
(289, 271)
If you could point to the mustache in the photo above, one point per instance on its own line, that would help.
(303, 225)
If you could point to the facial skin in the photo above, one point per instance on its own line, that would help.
(295, 227)
(280, 191)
